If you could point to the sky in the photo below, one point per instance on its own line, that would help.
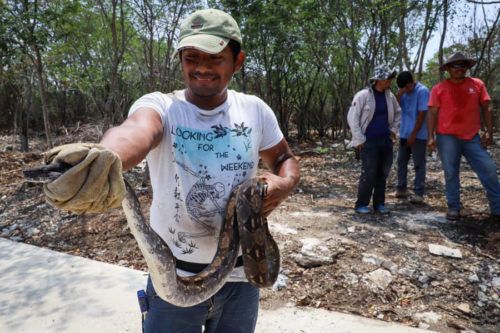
(457, 21)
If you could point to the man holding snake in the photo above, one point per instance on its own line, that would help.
(200, 142)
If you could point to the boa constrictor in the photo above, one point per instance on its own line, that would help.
(243, 224)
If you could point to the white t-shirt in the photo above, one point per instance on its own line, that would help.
(203, 154)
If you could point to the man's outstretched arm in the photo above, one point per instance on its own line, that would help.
(135, 137)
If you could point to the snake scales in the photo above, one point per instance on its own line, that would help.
(243, 224)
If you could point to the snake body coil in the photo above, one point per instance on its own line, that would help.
(243, 222)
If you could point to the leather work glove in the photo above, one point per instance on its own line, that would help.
(94, 183)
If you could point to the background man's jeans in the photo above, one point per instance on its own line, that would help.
(233, 309)
(451, 150)
(417, 152)
(376, 158)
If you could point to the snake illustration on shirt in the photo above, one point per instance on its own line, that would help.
(210, 159)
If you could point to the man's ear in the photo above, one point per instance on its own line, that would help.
(240, 59)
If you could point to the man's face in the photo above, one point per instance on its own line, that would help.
(409, 87)
(207, 75)
(457, 70)
(384, 84)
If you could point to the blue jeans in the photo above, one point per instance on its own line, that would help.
(451, 150)
(233, 309)
(376, 161)
(417, 152)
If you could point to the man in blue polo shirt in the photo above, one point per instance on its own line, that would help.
(413, 98)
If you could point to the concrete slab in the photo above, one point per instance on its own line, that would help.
(46, 291)
(43, 291)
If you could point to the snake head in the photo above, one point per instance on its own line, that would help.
(46, 173)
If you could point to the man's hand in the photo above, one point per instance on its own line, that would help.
(358, 150)
(401, 92)
(94, 183)
(411, 139)
(278, 189)
(431, 143)
(284, 177)
(393, 137)
(486, 139)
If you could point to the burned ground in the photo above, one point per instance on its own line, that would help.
(377, 266)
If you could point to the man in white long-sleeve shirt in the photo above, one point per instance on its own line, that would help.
(374, 118)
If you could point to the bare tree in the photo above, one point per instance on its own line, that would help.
(157, 23)
(443, 36)
(431, 13)
(114, 16)
(30, 30)
(490, 31)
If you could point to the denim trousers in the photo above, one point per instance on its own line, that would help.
(451, 149)
(417, 153)
(376, 161)
(233, 309)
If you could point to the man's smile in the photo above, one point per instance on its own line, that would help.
(203, 78)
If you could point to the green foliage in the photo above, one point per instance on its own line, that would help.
(322, 150)
(305, 58)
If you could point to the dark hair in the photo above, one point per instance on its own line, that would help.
(404, 78)
(235, 48)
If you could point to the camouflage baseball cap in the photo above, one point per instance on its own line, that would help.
(208, 30)
(383, 72)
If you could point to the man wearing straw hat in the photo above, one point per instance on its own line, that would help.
(453, 122)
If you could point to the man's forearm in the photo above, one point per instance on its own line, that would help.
(399, 94)
(133, 139)
(288, 168)
(419, 122)
(127, 143)
(488, 117)
(431, 121)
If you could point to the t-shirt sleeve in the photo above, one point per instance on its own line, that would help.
(423, 100)
(483, 94)
(157, 101)
(271, 132)
(434, 97)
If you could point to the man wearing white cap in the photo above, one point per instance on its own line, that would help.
(199, 142)
(374, 118)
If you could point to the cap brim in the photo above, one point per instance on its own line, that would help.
(470, 64)
(206, 43)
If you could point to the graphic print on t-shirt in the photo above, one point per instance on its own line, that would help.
(209, 164)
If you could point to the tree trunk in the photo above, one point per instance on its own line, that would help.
(426, 34)
(23, 133)
(403, 57)
(118, 44)
(487, 41)
(43, 95)
(443, 36)
(24, 111)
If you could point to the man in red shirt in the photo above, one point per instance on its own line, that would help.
(455, 107)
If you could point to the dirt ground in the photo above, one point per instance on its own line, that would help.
(439, 292)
